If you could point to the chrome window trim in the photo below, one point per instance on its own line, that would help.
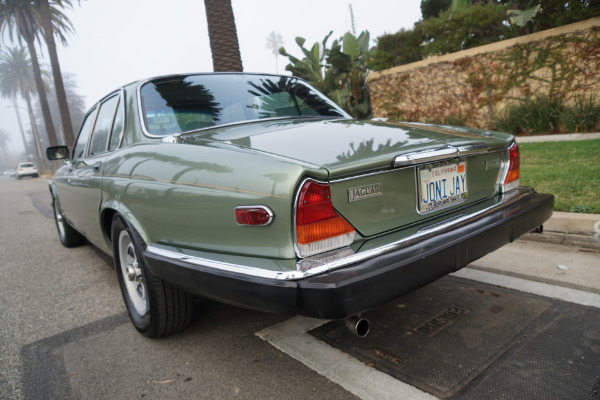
(93, 113)
(344, 261)
(117, 93)
(267, 209)
(343, 114)
(120, 106)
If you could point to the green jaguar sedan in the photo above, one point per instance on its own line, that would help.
(258, 191)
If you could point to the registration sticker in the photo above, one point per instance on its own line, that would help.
(442, 184)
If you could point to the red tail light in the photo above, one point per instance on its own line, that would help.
(253, 215)
(511, 177)
(319, 227)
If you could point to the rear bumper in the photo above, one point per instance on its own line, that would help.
(375, 278)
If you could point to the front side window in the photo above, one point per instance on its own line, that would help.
(103, 124)
(184, 103)
(84, 134)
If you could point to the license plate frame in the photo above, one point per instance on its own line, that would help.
(441, 184)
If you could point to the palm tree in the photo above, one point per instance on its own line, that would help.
(223, 36)
(54, 22)
(4, 139)
(21, 17)
(274, 43)
(16, 78)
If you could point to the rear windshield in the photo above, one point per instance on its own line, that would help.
(186, 103)
(26, 165)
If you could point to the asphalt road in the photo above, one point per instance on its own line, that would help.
(65, 334)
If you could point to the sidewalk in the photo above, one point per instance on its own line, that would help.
(574, 229)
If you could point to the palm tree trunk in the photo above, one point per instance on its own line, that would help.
(39, 84)
(36, 138)
(16, 107)
(59, 86)
(223, 36)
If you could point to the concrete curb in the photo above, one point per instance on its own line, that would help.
(557, 138)
(574, 229)
(571, 229)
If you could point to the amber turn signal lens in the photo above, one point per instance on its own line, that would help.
(514, 164)
(323, 230)
(317, 220)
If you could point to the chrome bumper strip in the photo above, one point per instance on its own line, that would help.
(329, 260)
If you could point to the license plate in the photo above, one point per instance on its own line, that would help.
(442, 184)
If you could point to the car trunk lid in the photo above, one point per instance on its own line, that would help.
(378, 171)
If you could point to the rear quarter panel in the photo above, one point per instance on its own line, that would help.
(185, 196)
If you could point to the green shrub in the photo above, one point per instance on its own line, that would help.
(581, 116)
(560, 12)
(459, 119)
(468, 27)
(433, 8)
(403, 47)
(509, 120)
(540, 114)
(532, 116)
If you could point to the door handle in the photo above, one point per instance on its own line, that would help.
(97, 166)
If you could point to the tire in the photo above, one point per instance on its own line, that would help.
(156, 308)
(68, 236)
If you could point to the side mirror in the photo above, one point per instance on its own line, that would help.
(57, 153)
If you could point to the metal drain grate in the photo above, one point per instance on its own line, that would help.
(444, 335)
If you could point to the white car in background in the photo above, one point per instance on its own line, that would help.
(26, 169)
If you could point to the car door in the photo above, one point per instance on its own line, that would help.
(85, 180)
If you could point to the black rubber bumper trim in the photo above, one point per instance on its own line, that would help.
(242, 290)
(367, 284)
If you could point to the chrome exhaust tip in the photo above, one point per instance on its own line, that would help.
(358, 326)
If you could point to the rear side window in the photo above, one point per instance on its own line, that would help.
(84, 134)
(103, 125)
(117, 129)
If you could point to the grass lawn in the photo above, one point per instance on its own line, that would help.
(568, 170)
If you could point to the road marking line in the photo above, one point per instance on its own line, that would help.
(538, 288)
(292, 338)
